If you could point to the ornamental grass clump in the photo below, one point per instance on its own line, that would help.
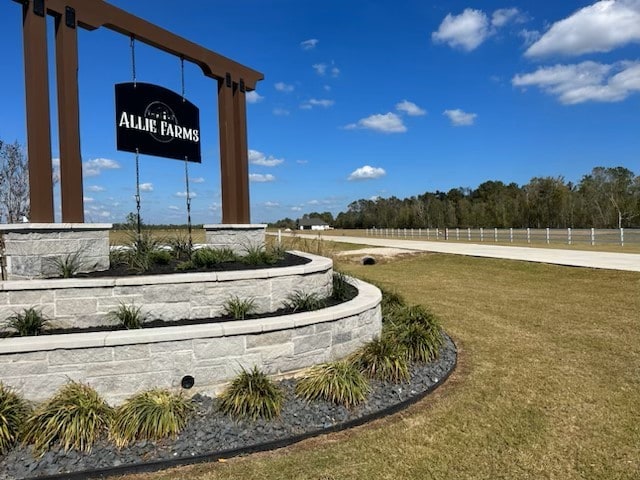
(128, 316)
(299, 301)
(28, 323)
(383, 359)
(76, 417)
(208, 257)
(418, 331)
(14, 411)
(341, 287)
(252, 395)
(239, 308)
(339, 382)
(150, 415)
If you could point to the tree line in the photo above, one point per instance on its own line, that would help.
(605, 198)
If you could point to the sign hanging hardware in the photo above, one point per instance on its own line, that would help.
(70, 17)
(38, 7)
(227, 80)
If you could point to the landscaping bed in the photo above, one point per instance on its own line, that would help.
(210, 434)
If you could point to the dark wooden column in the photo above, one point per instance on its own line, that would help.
(34, 29)
(68, 118)
(233, 153)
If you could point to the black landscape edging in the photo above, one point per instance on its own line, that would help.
(211, 457)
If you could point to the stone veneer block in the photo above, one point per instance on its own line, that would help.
(31, 250)
(237, 237)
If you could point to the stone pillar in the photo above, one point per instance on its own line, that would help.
(31, 250)
(237, 237)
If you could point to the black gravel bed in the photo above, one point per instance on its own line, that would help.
(211, 435)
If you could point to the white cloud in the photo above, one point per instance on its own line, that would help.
(467, 30)
(302, 162)
(314, 102)
(385, 123)
(410, 108)
(296, 209)
(529, 36)
(281, 112)
(271, 204)
(320, 68)
(261, 178)
(253, 97)
(94, 167)
(146, 187)
(335, 72)
(184, 194)
(314, 202)
(173, 207)
(586, 81)
(460, 118)
(309, 44)
(197, 180)
(503, 16)
(600, 27)
(259, 158)
(367, 173)
(284, 87)
(95, 188)
(88, 199)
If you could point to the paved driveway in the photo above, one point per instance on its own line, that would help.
(575, 258)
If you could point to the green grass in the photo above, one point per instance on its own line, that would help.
(547, 384)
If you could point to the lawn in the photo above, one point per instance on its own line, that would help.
(547, 385)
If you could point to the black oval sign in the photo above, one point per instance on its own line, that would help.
(156, 121)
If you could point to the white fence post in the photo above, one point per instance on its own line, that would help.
(593, 236)
(405, 233)
(428, 234)
(511, 235)
(622, 237)
(279, 237)
(446, 233)
(569, 236)
(548, 236)
(420, 232)
(412, 233)
(469, 233)
(495, 234)
(528, 235)
(457, 233)
(481, 234)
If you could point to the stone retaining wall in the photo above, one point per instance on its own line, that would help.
(32, 249)
(85, 302)
(121, 363)
(237, 237)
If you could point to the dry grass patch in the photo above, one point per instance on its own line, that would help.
(548, 385)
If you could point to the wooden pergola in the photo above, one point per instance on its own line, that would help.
(233, 81)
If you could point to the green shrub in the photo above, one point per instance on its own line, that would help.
(14, 411)
(384, 359)
(417, 330)
(28, 323)
(238, 307)
(76, 417)
(339, 382)
(341, 287)
(251, 395)
(160, 257)
(300, 301)
(210, 257)
(391, 301)
(186, 265)
(128, 316)
(140, 251)
(150, 415)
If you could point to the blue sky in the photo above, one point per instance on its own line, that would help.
(361, 99)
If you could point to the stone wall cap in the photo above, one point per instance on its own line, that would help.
(235, 226)
(53, 227)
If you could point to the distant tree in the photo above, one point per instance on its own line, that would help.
(14, 183)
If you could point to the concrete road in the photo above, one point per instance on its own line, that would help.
(575, 258)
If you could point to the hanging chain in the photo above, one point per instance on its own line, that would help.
(133, 59)
(139, 221)
(186, 164)
(182, 76)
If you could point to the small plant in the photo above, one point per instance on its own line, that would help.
(128, 316)
(14, 411)
(299, 301)
(160, 257)
(69, 265)
(238, 307)
(181, 247)
(28, 323)
(418, 331)
(391, 301)
(251, 395)
(186, 265)
(150, 415)
(338, 382)
(341, 287)
(383, 359)
(210, 257)
(76, 416)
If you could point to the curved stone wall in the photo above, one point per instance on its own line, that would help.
(120, 363)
